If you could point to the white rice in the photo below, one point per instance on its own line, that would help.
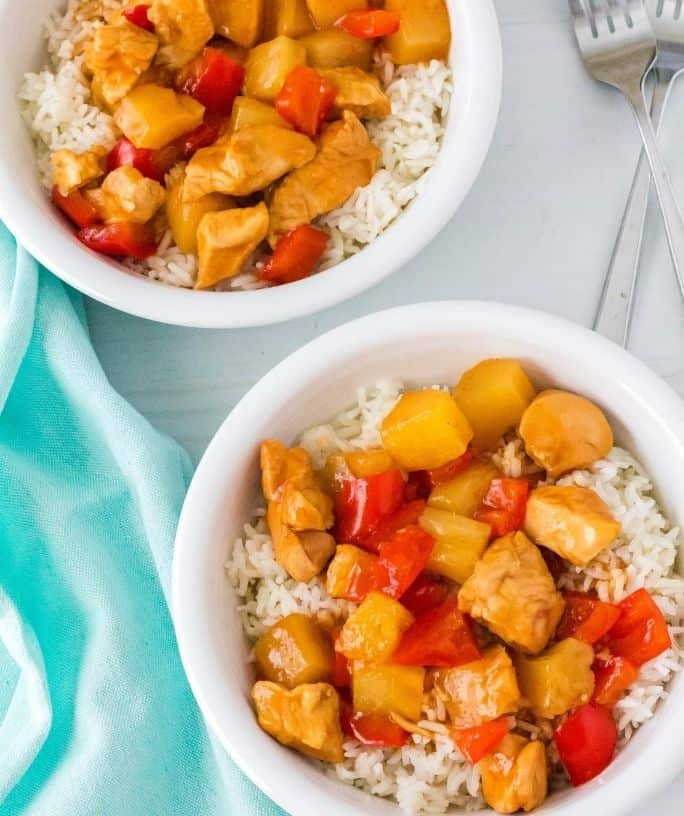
(58, 110)
(430, 775)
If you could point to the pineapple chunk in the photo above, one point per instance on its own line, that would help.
(424, 33)
(374, 630)
(326, 13)
(366, 463)
(184, 216)
(493, 395)
(345, 576)
(151, 116)
(287, 17)
(334, 48)
(250, 113)
(388, 689)
(238, 20)
(464, 493)
(459, 542)
(295, 650)
(268, 66)
(425, 429)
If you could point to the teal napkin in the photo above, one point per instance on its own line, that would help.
(96, 717)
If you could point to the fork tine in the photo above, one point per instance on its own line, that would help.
(599, 17)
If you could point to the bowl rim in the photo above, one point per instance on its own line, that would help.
(660, 404)
(106, 282)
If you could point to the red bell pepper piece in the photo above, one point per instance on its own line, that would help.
(641, 632)
(76, 207)
(202, 136)
(586, 618)
(125, 152)
(366, 25)
(137, 15)
(406, 515)
(305, 100)
(503, 507)
(402, 558)
(296, 255)
(441, 637)
(481, 740)
(120, 240)
(213, 79)
(362, 504)
(613, 677)
(586, 742)
(424, 594)
(341, 676)
(372, 729)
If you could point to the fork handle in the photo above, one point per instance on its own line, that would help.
(674, 225)
(617, 299)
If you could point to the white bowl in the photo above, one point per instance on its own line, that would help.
(476, 60)
(421, 344)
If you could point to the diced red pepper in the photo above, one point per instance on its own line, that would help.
(424, 594)
(443, 636)
(213, 79)
(402, 558)
(137, 15)
(613, 677)
(366, 25)
(407, 514)
(503, 507)
(586, 742)
(305, 100)
(481, 740)
(202, 136)
(417, 486)
(76, 207)
(362, 504)
(641, 632)
(586, 618)
(124, 239)
(341, 676)
(372, 729)
(296, 255)
(125, 152)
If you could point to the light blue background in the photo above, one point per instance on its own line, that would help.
(537, 230)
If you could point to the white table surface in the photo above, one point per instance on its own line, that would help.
(536, 230)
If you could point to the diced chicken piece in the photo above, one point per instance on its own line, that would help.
(127, 195)
(478, 692)
(244, 162)
(183, 26)
(306, 718)
(346, 160)
(512, 593)
(117, 56)
(280, 464)
(302, 555)
(570, 520)
(73, 170)
(306, 508)
(557, 680)
(515, 776)
(225, 240)
(358, 92)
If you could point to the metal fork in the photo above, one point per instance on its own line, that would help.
(618, 46)
(615, 309)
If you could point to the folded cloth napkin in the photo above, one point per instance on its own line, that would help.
(96, 717)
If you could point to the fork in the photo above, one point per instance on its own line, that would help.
(618, 46)
(615, 309)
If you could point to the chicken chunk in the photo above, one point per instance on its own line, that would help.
(478, 692)
(246, 161)
(184, 28)
(306, 508)
(73, 170)
(346, 160)
(512, 593)
(280, 464)
(225, 240)
(117, 56)
(306, 718)
(303, 555)
(515, 776)
(557, 680)
(572, 521)
(127, 195)
(358, 92)
(563, 431)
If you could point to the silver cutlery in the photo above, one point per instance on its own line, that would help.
(618, 46)
(615, 310)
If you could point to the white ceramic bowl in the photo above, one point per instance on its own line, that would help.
(421, 344)
(476, 60)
